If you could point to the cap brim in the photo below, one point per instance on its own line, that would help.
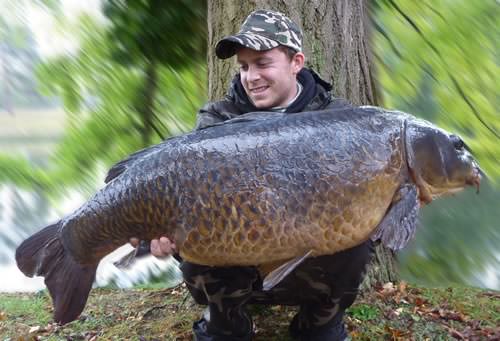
(228, 46)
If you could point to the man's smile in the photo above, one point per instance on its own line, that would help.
(260, 89)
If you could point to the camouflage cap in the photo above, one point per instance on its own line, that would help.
(262, 30)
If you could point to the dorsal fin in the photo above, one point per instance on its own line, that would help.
(249, 117)
(122, 165)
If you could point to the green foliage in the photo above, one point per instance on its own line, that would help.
(166, 32)
(103, 99)
(438, 60)
(20, 172)
(363, 312)
(449, 50)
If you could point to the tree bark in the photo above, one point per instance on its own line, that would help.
(337, 46)
(145, 104)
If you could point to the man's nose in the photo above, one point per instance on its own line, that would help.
(253, 74)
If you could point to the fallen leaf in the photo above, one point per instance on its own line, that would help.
(419, 301)
(51, 327)
(402, 287)
(456, 334)
(388, 286)
(354, 334)
(395, 333)
(34, 329)
(90, 336)
(387, 289)
(415, 318)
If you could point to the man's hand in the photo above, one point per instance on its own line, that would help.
(159, 247)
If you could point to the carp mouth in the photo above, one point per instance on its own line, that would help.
(427, 193)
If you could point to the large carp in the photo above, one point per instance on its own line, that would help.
(264, 188)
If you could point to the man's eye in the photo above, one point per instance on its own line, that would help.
(243, 67)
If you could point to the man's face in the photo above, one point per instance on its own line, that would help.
(269, 77)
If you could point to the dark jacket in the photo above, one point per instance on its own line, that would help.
(315, 95)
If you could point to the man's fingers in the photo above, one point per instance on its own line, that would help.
(159, 247)
(155, 248)
(162, 247)
(166, 246)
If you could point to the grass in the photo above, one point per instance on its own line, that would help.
(392, 312)
(406, 312)
(26, 306)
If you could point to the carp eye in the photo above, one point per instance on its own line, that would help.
(457, 142)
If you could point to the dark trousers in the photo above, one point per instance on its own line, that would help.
(323, 287)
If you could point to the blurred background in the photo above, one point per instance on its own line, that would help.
(83, 84)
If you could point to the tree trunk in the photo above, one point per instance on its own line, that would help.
(144, 104)
(336, 45)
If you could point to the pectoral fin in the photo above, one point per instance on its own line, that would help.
(277, 275)
(128, 260)
(400, 222)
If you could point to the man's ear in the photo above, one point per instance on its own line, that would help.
(298, 61)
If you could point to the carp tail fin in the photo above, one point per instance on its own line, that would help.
(68, 282)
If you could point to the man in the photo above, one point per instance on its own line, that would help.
(272, 77)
